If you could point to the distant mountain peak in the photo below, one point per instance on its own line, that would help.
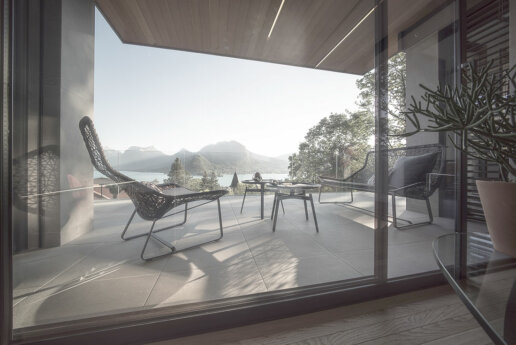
(143, 149)
(222, 157)
(224, 146)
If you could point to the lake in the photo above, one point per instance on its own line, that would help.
(224, 180)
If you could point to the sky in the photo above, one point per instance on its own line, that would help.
(172, 100)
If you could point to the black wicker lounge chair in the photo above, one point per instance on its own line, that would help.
(151, 202)
(414, 172)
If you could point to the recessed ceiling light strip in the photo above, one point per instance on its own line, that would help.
(275, 19)
(347, 35)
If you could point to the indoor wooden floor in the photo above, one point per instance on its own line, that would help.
(431, 316)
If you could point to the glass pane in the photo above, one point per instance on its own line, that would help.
(422, 170)
(268, 137)
(488, 30)
(169, 130)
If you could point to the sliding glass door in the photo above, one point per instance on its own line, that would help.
(294, 118)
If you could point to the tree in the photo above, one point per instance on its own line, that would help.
(209, 181)
(178, 174)
(205, 181)
(234, 182)
(338, 141)
(396, 103)
(213, 181)
(337, 145)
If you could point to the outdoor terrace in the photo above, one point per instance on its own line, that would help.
(99, 273)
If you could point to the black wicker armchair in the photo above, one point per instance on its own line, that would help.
(151, 202)
(414, 172)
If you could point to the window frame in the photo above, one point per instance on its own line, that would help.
(172, 322)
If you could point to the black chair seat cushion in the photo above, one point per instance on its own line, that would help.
(411, 169)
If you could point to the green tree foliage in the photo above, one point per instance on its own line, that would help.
(209, 181)
(234, 182)
(337, 145)
(195, 184)
(178, 174)
(396, 103)
(337, 142)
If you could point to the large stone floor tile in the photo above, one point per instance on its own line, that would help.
(35, 268)
(360, 260)
(282, 273)
(115, 260)
(350, 237)
(91, 298)
(294, 243)
(411, 258)
(194, 285)
(230, 250)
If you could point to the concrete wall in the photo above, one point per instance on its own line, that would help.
(53, 87)
(76, 95)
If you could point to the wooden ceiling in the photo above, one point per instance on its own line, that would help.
(304, 33)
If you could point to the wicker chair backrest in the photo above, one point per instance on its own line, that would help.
(364, 174)
(97, 156)
(150, 204)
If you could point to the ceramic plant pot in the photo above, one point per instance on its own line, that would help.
(499, 204)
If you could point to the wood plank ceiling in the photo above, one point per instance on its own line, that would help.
(304, 33)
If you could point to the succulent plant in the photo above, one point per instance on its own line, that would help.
(481, 113)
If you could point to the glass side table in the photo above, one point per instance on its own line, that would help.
(486, 285)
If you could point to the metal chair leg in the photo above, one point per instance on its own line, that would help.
(152, 233)
(220, 220)
(127, 225)
(313, 212)
(306, 208)
(276, 214)
(243, 200)
(149, 235)
(158, 230)
(411, 225)
(274, 204)
(429, 208)
(393, 205)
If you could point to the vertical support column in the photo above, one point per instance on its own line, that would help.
(53, 61)
(5, 175)
(512, 34)
(461, 171)
(381, 201)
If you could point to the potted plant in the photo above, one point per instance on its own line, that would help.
(482, 115)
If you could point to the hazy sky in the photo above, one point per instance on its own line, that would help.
(172, 100)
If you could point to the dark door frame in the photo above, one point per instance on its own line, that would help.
(5, 177)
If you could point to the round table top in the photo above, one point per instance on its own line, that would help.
(485, 280)
(295, 186)
(264, 181)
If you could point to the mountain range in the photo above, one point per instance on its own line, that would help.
(224, 158)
